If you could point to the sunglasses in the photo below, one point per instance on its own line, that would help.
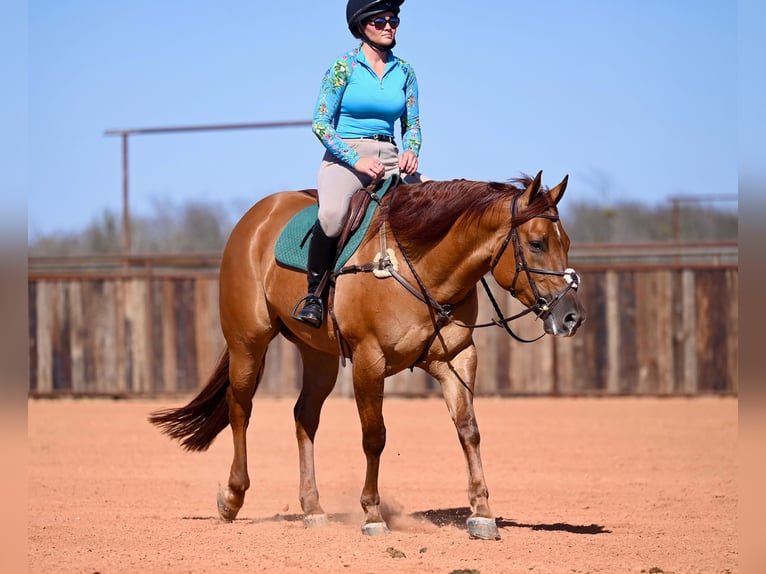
(380, 22)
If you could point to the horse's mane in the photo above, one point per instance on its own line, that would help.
(422, 214)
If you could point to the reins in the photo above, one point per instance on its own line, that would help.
(541, 306)
(443, 311)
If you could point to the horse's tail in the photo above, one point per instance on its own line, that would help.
(197, 424)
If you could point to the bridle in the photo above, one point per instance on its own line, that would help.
(542, 306)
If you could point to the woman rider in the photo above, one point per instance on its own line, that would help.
(362, 95)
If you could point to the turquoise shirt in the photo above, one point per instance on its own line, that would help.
(354, 102)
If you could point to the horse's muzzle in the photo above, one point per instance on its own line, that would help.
(565, 317)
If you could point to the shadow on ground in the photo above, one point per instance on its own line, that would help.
(440, 517)
(457, 517)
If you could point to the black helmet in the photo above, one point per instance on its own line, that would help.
(357, 11)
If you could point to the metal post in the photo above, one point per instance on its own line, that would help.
(125, 134)
(679, 199)
(125, 201)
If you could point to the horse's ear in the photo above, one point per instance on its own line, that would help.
(534, 188)
(558, 192)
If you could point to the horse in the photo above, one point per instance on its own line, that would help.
(446, 235)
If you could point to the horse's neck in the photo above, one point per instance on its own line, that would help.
(460, 260)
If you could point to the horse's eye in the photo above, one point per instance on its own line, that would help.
(537, 245)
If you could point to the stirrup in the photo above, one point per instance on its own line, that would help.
(306, 300)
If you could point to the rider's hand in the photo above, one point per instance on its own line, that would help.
(371, 166)
(408, 162)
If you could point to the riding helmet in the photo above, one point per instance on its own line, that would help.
(357, 11)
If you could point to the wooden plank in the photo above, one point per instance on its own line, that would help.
(206, 326)
(646, 368)
(500, 343)
(87, 300)
(542, 364)
(122, 340)
(131, 340)
(664, 341)
(506, 348)
(704, 332)
(732, 331)
(137, 321)
(653, 317)
(654, 308)
(712, 324)
(145, 352)
(567, 376)
(628, 358)
(149, 336)
(518, 355)
(690, 380)
(591, 365)
(676, 323)
(62, 356)
(44, 337)
(32, 327)
(184, 312)
(96, 313)
(106, 346)
(169, 361)
(647, 297)
(488, 347)
(156, 307)
(612, 322)
(77, 331)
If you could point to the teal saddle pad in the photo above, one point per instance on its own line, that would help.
(292, 251)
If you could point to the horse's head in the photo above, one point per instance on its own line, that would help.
(532, 260)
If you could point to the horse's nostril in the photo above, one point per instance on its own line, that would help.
(572, 320)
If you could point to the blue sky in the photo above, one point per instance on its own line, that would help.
(635, 100)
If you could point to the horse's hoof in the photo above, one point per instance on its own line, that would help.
(375, 529)
(482, 528)
(226, 512)
(315, 520)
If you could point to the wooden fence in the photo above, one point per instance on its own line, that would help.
(662, 320)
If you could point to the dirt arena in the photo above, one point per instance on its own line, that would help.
(578, 485)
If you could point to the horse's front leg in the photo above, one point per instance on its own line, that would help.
(457, 378)
(368, 392)
(320, 371)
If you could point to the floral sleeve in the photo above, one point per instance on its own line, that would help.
(328, 107)
(411, 139)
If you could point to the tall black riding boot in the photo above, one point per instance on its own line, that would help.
(321, 256)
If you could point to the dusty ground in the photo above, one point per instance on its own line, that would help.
(578, 485)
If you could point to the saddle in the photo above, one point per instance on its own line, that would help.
(357, 209)
(291, 248)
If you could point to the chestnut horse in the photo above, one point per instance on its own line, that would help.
(446, 236)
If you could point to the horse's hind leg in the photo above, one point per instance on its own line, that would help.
(245, 372)
(457, 379)
(320, 371)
